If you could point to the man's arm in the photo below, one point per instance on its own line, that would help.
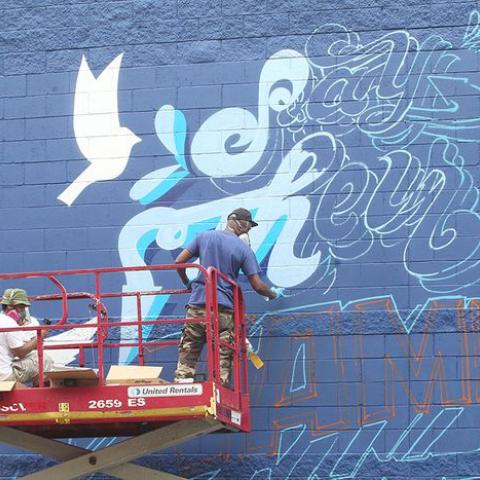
(261, 287)
(27, 347)
(183, 257)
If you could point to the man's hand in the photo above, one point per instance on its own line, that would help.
(278, 291)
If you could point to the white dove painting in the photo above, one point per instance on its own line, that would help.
(100, 138)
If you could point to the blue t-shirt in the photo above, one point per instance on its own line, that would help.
(227, 253)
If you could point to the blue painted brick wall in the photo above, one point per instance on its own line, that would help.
(351, 131)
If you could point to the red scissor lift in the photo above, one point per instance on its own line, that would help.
(155, 416)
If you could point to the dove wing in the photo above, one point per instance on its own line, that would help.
(109, 79)
(95, 111)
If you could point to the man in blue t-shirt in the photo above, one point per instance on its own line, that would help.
(228, 254)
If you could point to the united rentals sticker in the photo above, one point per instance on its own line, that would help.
(177, 390)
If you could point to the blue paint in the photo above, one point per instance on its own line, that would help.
(196, 228)
(299, 374)
(180, 136)
(162, 188)
(271, 238)
(284, 446)
(169, 123)
(145, 241)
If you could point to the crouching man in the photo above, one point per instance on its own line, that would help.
(18, 349)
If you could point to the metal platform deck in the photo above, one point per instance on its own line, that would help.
(117, 410)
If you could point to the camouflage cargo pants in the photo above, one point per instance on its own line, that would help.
(193, 339)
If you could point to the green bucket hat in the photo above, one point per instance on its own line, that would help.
(6, 300)
(15, 296)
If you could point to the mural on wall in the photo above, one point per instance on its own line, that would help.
(408, 187)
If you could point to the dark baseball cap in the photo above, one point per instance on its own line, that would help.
(243, 214)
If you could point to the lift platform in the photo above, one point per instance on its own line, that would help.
(155, 413)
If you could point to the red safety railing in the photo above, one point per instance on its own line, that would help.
(235, 397)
